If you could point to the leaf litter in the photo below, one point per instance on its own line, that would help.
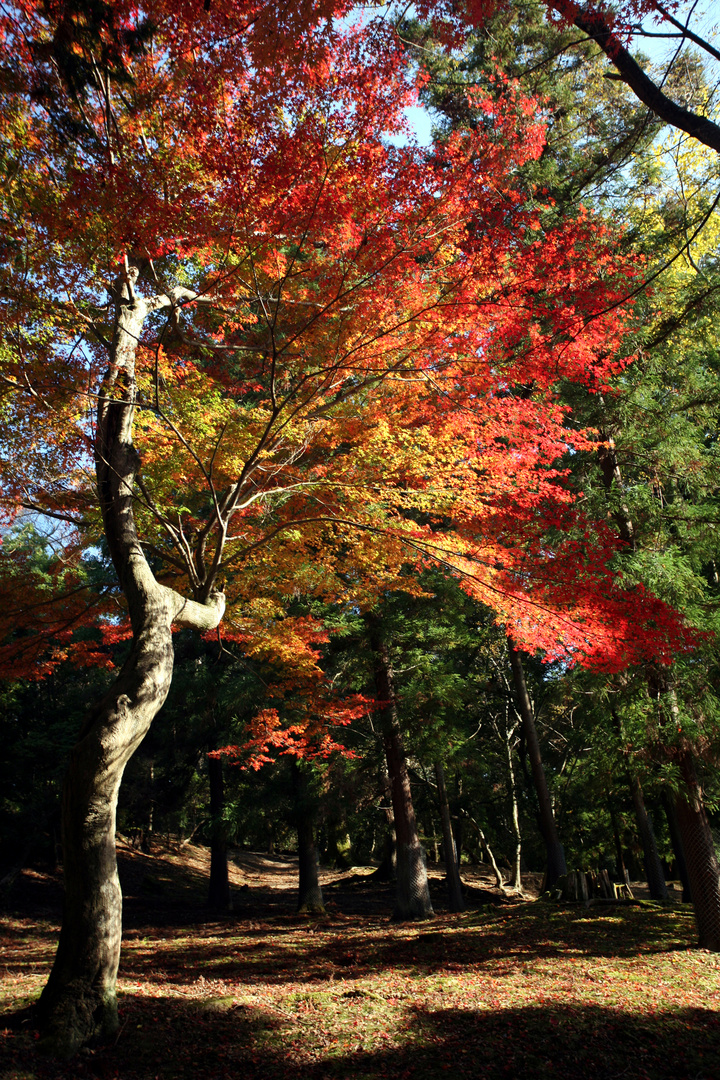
(525, 989)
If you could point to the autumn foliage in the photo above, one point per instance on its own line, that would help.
(361, 359)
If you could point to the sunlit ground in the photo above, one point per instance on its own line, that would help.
(531, 991)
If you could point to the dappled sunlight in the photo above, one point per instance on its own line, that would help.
(530, 989)
(504, 989)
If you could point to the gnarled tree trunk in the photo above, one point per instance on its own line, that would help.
(555, 867)
(79, 1000)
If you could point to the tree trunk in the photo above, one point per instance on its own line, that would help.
(654, 873)
(413, 893)
(676, 841)
(515, 883)
(387, 870)
(486, 850)
(79, 1000)
(622, 873)
(452, 872)
(219, 888)
(455, 809)
(702, 864)
(556, 866)
(310, 897)
(146, 844)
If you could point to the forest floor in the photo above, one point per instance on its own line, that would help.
(507, 989)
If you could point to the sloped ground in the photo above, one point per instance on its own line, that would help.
(505, 990)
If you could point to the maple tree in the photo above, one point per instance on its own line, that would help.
(248, 340)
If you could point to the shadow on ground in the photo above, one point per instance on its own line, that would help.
(221, 1040)
(484, 943)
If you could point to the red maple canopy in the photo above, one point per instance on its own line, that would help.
(335, 337)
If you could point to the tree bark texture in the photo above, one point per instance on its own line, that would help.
(413, 893)
(79, 1000)
(452, 871)
(556, 866)
(654, 873)
(219, 887)
(700, 857)
(310, 897)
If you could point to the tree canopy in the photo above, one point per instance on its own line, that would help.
(268, 364)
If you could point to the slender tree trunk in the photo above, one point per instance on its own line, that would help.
(151, 808)
(434, 839)
(515, 882)
(455, 809)
(219, 888)
(452, 872)
(702, 864)
(621, 869)
(413, 893)
(654, 873)
(556, 866)
(79, 1000)
(676, 840)
(310, 897)
(486, 850)
(387, 870)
